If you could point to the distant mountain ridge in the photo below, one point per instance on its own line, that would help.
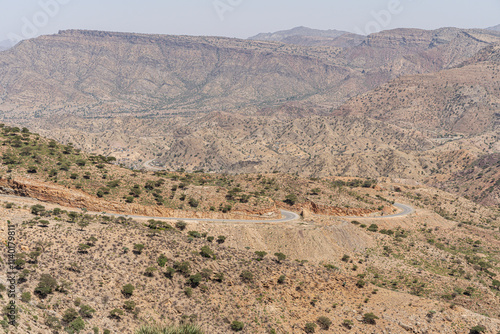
(298, 31)
(312, 37)
(495, 28)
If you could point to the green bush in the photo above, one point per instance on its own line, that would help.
(310, 327)
(246, 276)
(206, 252)
(477, 329)
(188, 291)
(280, 257)
(150, 271)
(86, 311)
(162, 260)
(46, 285)
(291, 199)
(116, 313)
(37, 209)
(281, 279)
(26, 297)
(324, 322)
(348, 323)
(360, 283)
(169, 272)
(138, 248)
(76, 326)
(373, 228)
(260, 255)
(128, 290)
(183, 267)
(237, 326)
(369, 318)
(181, 225)
(129, 305)
(194, 280)
(194, 234)
(181, 329)
(193, 202)
(69, 315)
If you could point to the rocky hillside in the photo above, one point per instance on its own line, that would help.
(95, 74)
(230, 105)
(81, 273)
(459, 100)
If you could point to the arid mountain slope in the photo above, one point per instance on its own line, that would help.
(459, 100)
(93, 73)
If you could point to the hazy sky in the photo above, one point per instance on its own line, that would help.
(239, 18)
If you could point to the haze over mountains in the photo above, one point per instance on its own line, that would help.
(404, 103)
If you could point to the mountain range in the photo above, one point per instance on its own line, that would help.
(404, 103)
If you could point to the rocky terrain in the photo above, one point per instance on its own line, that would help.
(316, 111)
(223, 133)
(423, 273)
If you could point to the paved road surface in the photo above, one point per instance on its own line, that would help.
(287, 216)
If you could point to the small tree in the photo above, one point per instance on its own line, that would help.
(116, 313)
(246, 276)
(477, 329)
(129, 305)
(83, 248)
(150, 271)
(46, 286)
(193, 202)
(260, 255)
(291, 199)
(221, 239)
(206, 252)
(237, 326)
(310, 327)
(370, 318)
(128, 290)
(26, 297)
(181, 225)
(348, 323)
(37, 209)
(76, 326)
(280, 257)
(69, 315)
(83, 222)
(138, 248)
(162, 260)
(86, 311)
(194, 280)
(324, 322)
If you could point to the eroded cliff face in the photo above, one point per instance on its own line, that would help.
(313, 208)
(63, 196)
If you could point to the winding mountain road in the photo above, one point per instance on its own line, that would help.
(287, 216)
